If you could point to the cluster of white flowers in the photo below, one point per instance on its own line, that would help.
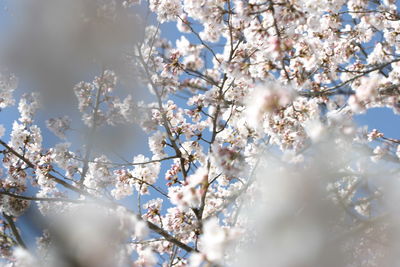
(156, 144)
(124, 184)
(122, 111)
(83, 92)
(166, 10)
(189, 195)
(146, 257)
(99, 175)
(255, 76)
(13, 206)
(59, 126)
(64, 158)
(26, 138)
(214, 240)
(8, 83)
(28, 105)
(145, 173)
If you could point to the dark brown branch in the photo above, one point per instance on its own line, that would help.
(14, 230)
(152, 226)
(49, 175)
(92, 132)
(169, 237)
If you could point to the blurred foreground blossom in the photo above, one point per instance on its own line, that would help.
(54, 43)
(86, 235)
(335, 208)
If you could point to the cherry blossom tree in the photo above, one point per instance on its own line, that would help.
(254, 158)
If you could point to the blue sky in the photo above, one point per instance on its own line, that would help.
(382, 119)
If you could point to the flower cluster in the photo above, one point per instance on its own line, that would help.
(245, 85)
